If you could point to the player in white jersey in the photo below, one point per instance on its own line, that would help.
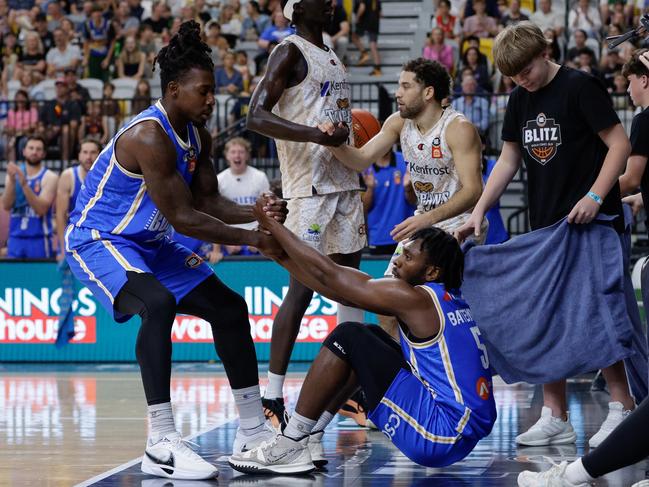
(442, 149)
(304, 86)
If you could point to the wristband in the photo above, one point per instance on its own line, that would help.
(595, 197)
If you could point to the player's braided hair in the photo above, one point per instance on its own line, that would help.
(444, 252)
(185, 51)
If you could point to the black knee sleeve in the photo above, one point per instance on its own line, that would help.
(344, 339)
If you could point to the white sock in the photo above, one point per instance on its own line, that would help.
(298, 426)
(248, 401)
(324, 421)
(347, 313)
(161, 421)
(275, 386)
(577, 474)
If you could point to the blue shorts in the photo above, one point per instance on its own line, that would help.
(29, 247)
(101, 260)
(426, 429)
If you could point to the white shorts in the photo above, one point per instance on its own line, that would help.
(479, 241)
(332, 223)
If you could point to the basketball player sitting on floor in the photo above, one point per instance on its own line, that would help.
(431, 395)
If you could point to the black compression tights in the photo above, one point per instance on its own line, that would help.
(211, 300)
(626, 445)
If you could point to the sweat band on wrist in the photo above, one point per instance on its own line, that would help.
(595, 197)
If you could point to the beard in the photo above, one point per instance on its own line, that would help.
(33, 163)
(412, 111)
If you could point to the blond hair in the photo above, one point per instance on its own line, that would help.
(517, 46)
(238, 141)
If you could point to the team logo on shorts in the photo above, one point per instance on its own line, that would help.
(312, 234)
(542, 138)
(482, 388)
(190, 159)
(192, 261)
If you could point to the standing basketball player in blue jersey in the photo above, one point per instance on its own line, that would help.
(29, 192)
(69, 187)
(154, 173)
(432, 395)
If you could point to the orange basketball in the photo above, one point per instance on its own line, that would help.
(365, 126)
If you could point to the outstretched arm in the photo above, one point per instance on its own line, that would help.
(281, 66)
(376, 147)
(392, 297)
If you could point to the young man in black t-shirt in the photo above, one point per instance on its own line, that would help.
(562, 123)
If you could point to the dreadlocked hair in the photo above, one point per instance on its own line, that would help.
(185, 51)
(444, 252)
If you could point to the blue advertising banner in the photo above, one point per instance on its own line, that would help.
(30, 296)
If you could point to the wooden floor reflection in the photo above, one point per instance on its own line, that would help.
(63, 426)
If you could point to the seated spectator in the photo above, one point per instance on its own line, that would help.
(499, 100)
(147, 43)
(32, 58)
(142, 98)
(586, 17)
(203, 11)
(21, 123)
(241, 183)
(471, 60)
(547, 18)
(9, 52)
(228, 80)
(94, 125)
(62, 56)
(610, 66)
(586, 62)
(230, 25)
(78, 93)
(620, 93)
(254, 23)
(217, 42)
(385, 201)
(159, 20)
(72, 37)
(625, 49)
(579, 37)
(43, 31)
(474, 41)
(54, 15)
(131, 61)
(276, 31)
(513, 15)
(475, 108)
(338, 31)
(444, 20)
(98, 45)
(29, 84)
(480, 24)
(467, 9)
(124, 23)
(29, 193)
(436, 50)
(111, 110)
(59, 120)
(553, 50)
(613, 12)
(245, 68)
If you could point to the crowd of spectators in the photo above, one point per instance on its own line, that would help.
(462, 34)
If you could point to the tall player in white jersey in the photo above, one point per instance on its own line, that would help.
(304, 86)
(442, 149)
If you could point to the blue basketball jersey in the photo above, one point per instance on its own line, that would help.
(115, 200)
(454, 365)
(76, 186)
(23, 221)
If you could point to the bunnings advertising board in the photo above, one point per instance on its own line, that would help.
(29, 309)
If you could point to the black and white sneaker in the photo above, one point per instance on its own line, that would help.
(170, 457)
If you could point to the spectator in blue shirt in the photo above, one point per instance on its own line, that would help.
(276, 32)
(228, 80)
(474, 108)
(385, 201)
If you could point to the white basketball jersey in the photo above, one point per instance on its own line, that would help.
(323, 95)
(432, 169)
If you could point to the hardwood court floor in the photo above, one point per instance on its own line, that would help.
(84, 425)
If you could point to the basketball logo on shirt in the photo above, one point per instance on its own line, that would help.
(542, 138)
(482, 388)
(436, 152)
(190, 159)
(192, 261)
(397, 177)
